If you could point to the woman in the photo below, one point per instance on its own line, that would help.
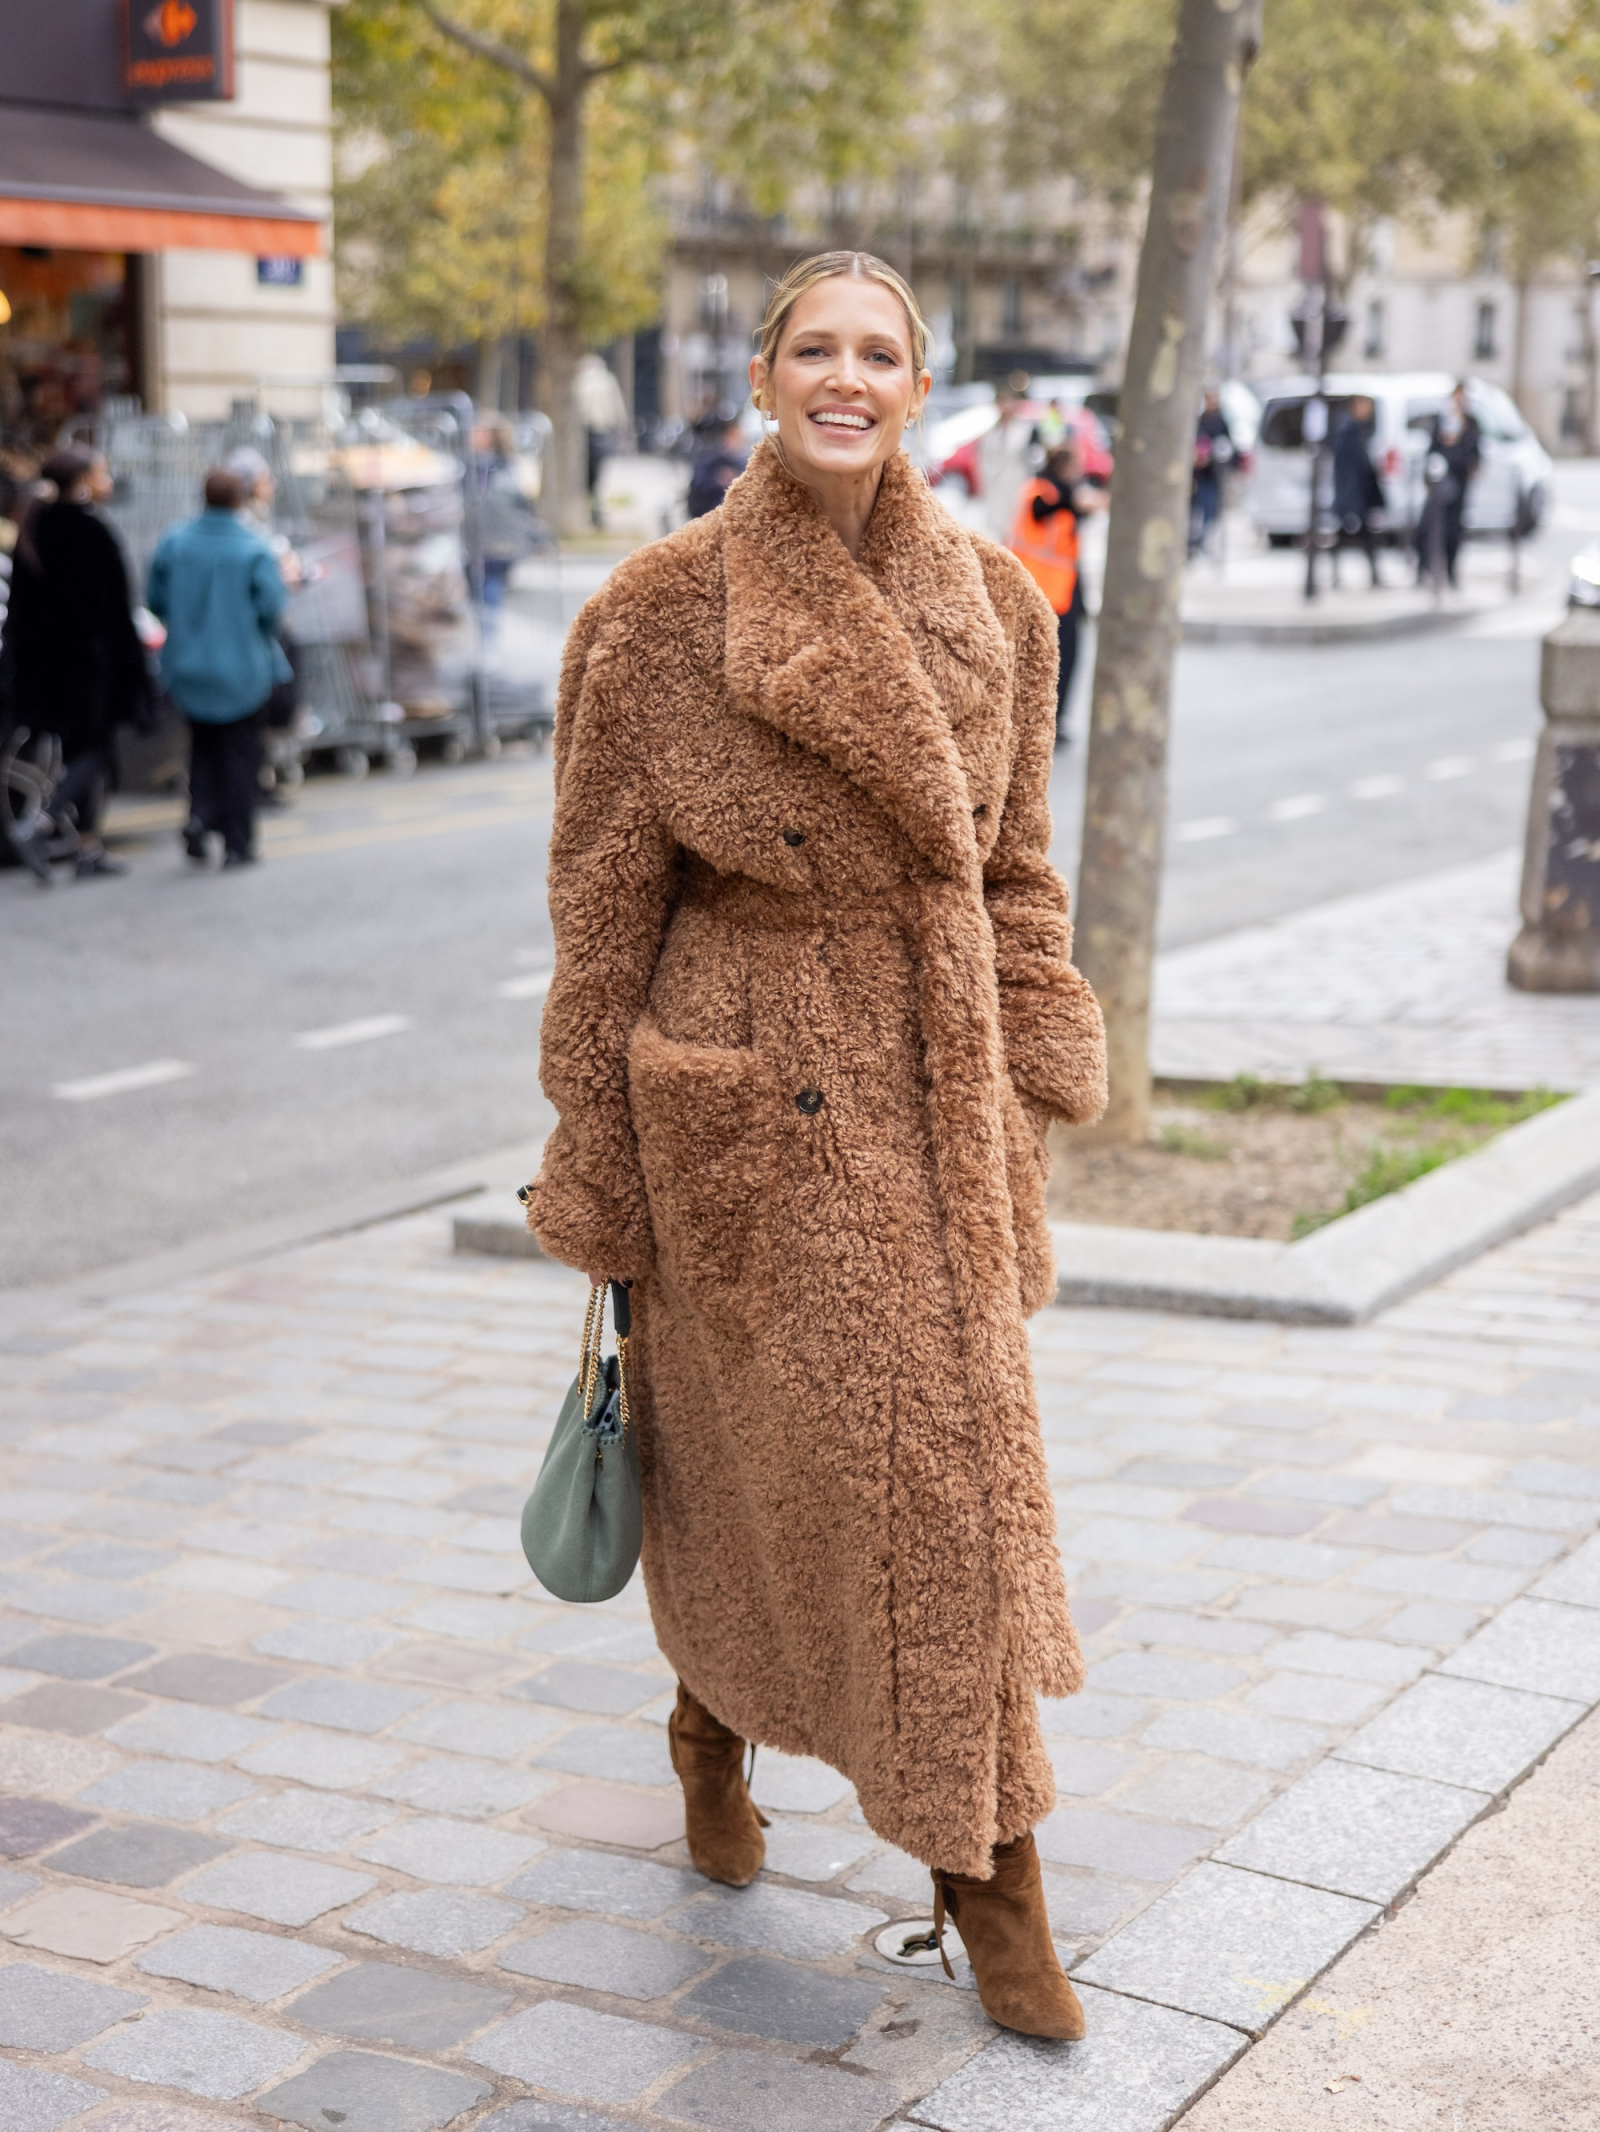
(812, 1013)
(78, 668)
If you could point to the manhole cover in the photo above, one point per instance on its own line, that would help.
(911, 1944)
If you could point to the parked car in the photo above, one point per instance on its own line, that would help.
(1510, 493)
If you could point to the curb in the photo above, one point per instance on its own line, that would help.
(1340, 1275)
(25, 1309)
(1361, 1264)
(1419, 622)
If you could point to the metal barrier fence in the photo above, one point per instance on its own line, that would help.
(396, 527)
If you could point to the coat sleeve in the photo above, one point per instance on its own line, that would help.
(130, 699)
(612, 870)
(158, 586)
(1054, 1037)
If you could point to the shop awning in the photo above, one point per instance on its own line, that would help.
(83, 181)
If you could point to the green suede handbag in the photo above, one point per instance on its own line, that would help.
(582, 1525)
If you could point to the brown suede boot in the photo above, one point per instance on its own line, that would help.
(1006, 1932)
(724, 1828)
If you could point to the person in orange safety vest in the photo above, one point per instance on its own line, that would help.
(1044, 535)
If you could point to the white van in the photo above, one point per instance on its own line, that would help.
(1510, 491)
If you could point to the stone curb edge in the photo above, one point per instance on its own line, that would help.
(1340, 1275)
(1361, 1264)
(1199, 629)
(1235, 2037)
(23, 1309)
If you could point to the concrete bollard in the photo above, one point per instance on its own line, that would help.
(1558, 948)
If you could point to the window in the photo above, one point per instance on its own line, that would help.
(1011, 312)
(1372, 346)
(1483, 346)
(1283, 421)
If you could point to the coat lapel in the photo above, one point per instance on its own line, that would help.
(875, 668)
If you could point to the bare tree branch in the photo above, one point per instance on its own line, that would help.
(498, 55)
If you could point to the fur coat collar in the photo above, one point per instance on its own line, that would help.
(876, 666)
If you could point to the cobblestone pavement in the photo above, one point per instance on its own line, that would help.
(316, 1812)
(1401, 985)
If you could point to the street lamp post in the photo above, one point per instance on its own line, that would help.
(1311, 327)
(1319, 327)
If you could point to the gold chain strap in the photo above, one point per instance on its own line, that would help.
(594, 1333)
(589, 1355)
(622, 1381)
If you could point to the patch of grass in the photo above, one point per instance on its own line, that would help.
(1247, 1092)
(1178, 1140)
(1388, 1169)
(1471, 1106)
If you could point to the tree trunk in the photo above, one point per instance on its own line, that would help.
(1125, 799)
(561, 343)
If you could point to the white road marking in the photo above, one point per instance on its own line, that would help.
(1450, 766)
(1202, 831)
(115, 1084)
(1297, 808)
(533, 986)
(361, 1032)
(1377, 788)
(1515, 750)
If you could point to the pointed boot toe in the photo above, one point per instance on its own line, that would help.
(1005, 1929)
(721, 1821)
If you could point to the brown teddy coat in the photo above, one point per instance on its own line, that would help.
(812, 1012)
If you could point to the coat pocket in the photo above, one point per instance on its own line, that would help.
(715, 1156)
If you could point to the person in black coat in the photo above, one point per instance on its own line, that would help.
(1357, 491)
(717, 465)
(1213, 453)
(76, 666)
(1458, 441)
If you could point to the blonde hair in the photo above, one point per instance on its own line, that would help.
(834, 266)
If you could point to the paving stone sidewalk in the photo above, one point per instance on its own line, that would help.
(1396, 985)
(316, 1812)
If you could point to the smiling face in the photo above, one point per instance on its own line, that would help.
(841, 385)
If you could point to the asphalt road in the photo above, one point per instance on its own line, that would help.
(188, 1052)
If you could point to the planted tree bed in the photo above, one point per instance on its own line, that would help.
(1271, 1159)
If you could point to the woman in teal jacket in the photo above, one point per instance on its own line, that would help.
(215, 583)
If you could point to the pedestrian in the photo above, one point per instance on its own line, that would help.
(1455, 452)
(1045, 537)
(1005, 458)
(502, 518)
(215, 583)
(1213, 454)
(717, 464)
(77, 668)
(1357, 491)
(811, 1015)
(604, 414)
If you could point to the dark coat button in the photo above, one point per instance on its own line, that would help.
(977, 811)
(794, 836)
(809, 1101)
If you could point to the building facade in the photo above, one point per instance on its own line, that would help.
(165, 182)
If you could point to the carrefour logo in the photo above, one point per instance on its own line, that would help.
(170, 23)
